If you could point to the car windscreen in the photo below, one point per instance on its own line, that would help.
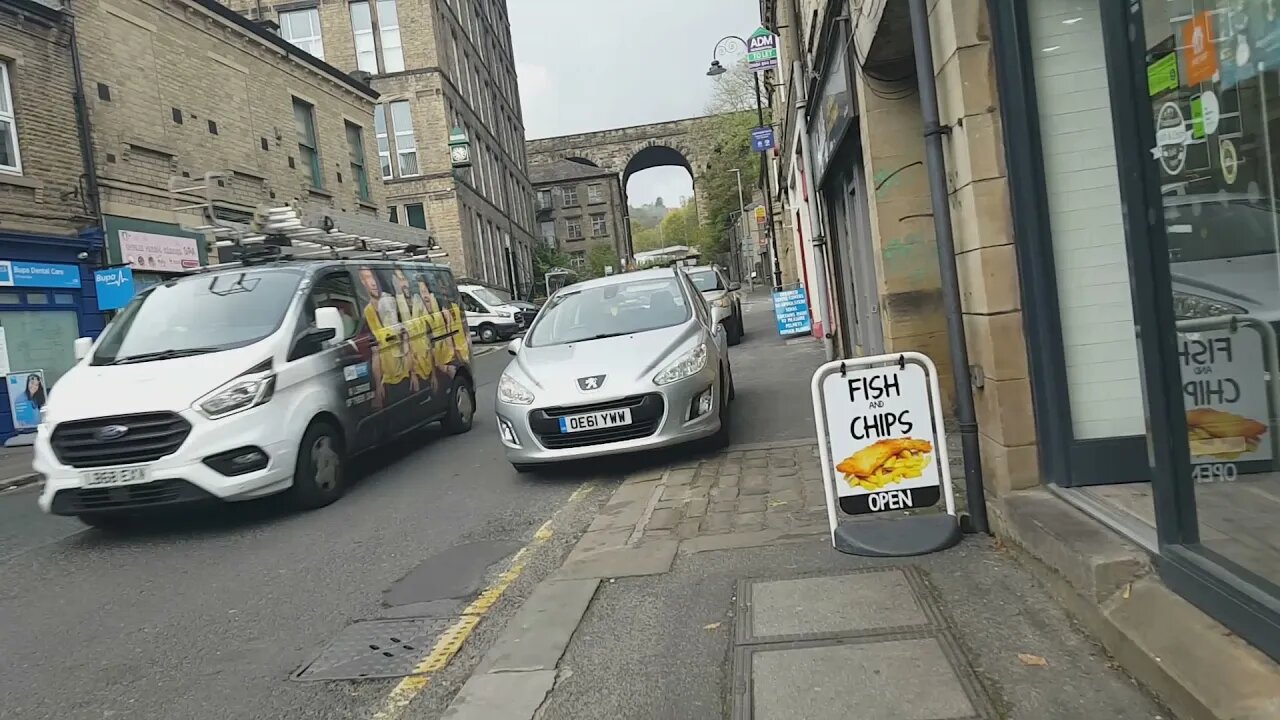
(1216, 230)
(621, 308)
(706, 280)
(199, 315)
(488, 297)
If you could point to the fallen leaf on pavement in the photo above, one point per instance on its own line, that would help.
(1128, 589)
(776, 503)
(712, 626)
(1033, 660)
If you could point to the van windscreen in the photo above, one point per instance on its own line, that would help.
(199, 314)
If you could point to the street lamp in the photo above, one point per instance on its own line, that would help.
(739, 231)
(726, 45)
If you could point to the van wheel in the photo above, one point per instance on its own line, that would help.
(319, 477)
(488, 333)
(462, 407)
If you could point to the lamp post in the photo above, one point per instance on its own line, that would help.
(724, 46)
(738, 236)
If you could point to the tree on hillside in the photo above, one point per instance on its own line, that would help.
(680, 227)
(645, 238)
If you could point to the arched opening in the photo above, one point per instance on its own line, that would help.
(658, 183)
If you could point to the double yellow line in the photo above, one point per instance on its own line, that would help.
(450, 641)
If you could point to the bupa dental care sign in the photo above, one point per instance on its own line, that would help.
(881, 434)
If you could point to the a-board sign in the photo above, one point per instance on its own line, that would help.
(1224, 388)
(882, 438)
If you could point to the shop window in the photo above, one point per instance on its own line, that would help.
(41, 340)
(1083, 195)
(37, 299)
(63, 299)
(10, 299)
(1213, 81)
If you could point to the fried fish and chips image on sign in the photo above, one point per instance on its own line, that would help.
(882, 439)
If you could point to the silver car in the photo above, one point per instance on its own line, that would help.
(616, 365)
(722, 296)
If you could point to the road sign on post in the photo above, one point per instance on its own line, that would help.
(883, 448)
(762, 139)
(762, 51)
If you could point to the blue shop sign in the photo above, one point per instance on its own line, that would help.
(791, 310)
(20, 273)
(762, 139)
(114, 286)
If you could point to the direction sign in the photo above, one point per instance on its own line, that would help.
(762, 139)
(762, 51)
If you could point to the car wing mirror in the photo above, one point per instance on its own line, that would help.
(513, 347)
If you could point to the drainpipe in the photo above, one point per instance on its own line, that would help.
(817, 239)
(937, 171)
(83, 130)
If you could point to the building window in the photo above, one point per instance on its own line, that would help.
(570, 196)
(549, 233)
(362, 30)
(355, 147)
(595, 193)
(393, 214)
(399, 130)
(10, 160)
(304, 118)
(384, 140)
(389, 33)
(599, 226)
(302, 28)
(578, 259)
(415, 215)
(573, 228)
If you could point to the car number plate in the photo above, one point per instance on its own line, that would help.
(595, 420)
(110, 477)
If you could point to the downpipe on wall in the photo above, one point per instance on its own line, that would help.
(966, 417)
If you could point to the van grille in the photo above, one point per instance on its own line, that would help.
(147, 437)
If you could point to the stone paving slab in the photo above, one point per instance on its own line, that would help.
(858, 603)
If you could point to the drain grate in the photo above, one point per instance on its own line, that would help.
(372, 649)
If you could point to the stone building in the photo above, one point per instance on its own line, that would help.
(1083, 245)
(439, 65)
(49, 236)
(579, 206)
(181, 88)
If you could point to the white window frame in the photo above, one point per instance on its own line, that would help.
(9, 115)
(595, 193)
(567, 192)
(570, 224)
(599, 225)
(398, 145)
(385, 167)
(389, 35)
(370, 52)
(313, 44)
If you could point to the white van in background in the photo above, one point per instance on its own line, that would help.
(489, 316)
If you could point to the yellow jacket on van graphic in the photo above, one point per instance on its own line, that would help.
(391, 355)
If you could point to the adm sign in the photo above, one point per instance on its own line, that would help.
(762, 51)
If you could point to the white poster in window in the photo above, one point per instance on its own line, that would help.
(1224, 391)
(159, 253)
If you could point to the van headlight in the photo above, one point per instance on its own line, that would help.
(690, 363)
(242, 393)
(512, 392)
(1187, 306)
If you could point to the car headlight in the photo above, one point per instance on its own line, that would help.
(242, 393)
(721, 302)
(1187, 306)
(690, 363)
(512, 392)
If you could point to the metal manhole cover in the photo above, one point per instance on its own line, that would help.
(372, 649)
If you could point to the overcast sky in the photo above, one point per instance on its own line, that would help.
(587, 65)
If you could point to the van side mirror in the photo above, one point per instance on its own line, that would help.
(328, 318)
(81, 347)
(513, 347)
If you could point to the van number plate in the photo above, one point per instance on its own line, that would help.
(595, 421)
(111, 477)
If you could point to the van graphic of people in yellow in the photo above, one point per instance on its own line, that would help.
(416, 331)
(442, 342)
(389, 360)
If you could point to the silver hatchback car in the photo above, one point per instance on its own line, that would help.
(616, 365)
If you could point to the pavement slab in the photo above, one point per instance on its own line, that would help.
(501, 696)
(537, 636)
(856, 603)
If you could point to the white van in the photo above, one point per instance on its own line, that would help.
(250, 380)
(489, 316)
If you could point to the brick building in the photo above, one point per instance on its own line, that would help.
(47, 220)
(181, 88)
(579, 206)
(439, 65)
